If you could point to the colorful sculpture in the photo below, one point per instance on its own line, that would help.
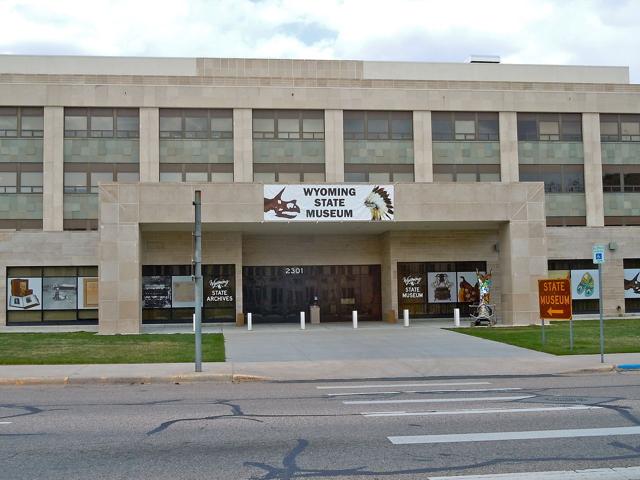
(485, 314)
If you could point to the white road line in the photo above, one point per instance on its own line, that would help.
(436, 400)
(526, 435)
(461, 390)
(396, 385)
(478, 411)
(5, 423)
(616, 473)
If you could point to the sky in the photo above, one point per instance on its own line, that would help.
(574, 32)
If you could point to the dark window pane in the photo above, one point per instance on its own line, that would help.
(377, 125)
(488, 128)
(401, 125)
(571, 127)
(632, 182)
(441, 126)
(611, 182)
(573, 182)
(353, 125)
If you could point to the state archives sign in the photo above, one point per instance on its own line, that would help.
(554, 298)
(328, 203)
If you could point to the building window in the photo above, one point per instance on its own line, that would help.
(85, 178)
(466, 173)
(557, 178)
(465, 126)
(621, 178)
(619, 128)
(52, 295)
(193, 123)
(378, 173)
(101, 123)
(21, 122)
(288, 124)
(288, 173)
(374, 125)
(196, 172)
(550, 127)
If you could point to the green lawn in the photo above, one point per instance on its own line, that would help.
(84, 347)
(620, 336)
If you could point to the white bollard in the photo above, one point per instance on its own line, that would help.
(405, 314)
(249, 319)
(456, 317)
(354, 316)
(302, 325)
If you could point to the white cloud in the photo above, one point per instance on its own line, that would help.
(597, 32)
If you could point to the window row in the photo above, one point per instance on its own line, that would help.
(556, 178)
(83, 178)
(101, 122)
(288, 124)
(620, 178)
(373, 125)
(21, 122)
(566, 127)
(21, 178)
(193, 123)
(619, 128)
(447, 126)
(196, 172)
(466, 173)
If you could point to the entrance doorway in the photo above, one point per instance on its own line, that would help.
(280, 293)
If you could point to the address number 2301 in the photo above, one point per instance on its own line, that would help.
(293, 270)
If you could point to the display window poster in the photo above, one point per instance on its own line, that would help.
(183, 293)
(632, 283)
(59, 293)
(24, 293)
(156, 291)
(468, 288)
(442, 287)
(584, 284)
(413, 288)
(218, 291)
(88, 293)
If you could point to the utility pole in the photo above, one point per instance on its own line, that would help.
(197, 260)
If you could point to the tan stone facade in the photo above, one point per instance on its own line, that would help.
(150, 222)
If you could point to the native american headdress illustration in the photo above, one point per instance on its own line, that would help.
(282, 208)
(379, 203)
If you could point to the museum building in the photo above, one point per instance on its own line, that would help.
(353, 185)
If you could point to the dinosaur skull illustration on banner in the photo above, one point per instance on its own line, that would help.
(281, 208)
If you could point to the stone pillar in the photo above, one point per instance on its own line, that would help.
(149, 144)
(53, 170)
(523, 258)
(509, 168)
(613, 285)
(334, 146)
(593, 169)
(120, 260)
(422, 147)
(242, 145)
(388, 273)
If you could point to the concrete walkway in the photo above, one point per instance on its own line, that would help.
(334, 351)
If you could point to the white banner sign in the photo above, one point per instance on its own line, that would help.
(328, 203)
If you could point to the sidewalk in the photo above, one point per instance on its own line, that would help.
(330, 352)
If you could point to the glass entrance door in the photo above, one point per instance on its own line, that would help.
(280, 293)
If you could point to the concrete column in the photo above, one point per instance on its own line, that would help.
(388, 273)
(613, 285)
(422, 147)
(53, 170)
(120, 260)
(509, 168)
(593, 169)
(334, 146)
(242, 145)
(149, 144)
(523, 258)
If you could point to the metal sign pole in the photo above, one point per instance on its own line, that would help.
(542, 331)
(197, 259)
(571, 333)
(601, 304)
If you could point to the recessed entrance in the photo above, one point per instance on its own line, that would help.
(280, 293)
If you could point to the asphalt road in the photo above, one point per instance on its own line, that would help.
(306, 430)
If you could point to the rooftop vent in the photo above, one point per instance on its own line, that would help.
(483, 59)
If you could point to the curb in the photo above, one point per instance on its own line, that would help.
(603, 369)
(628, 366)
(187, 378)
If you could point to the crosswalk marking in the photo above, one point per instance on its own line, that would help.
(479, 411)
(467, 390)
(403, 385)
(524, 435)
(436, 400)
(617, 473)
